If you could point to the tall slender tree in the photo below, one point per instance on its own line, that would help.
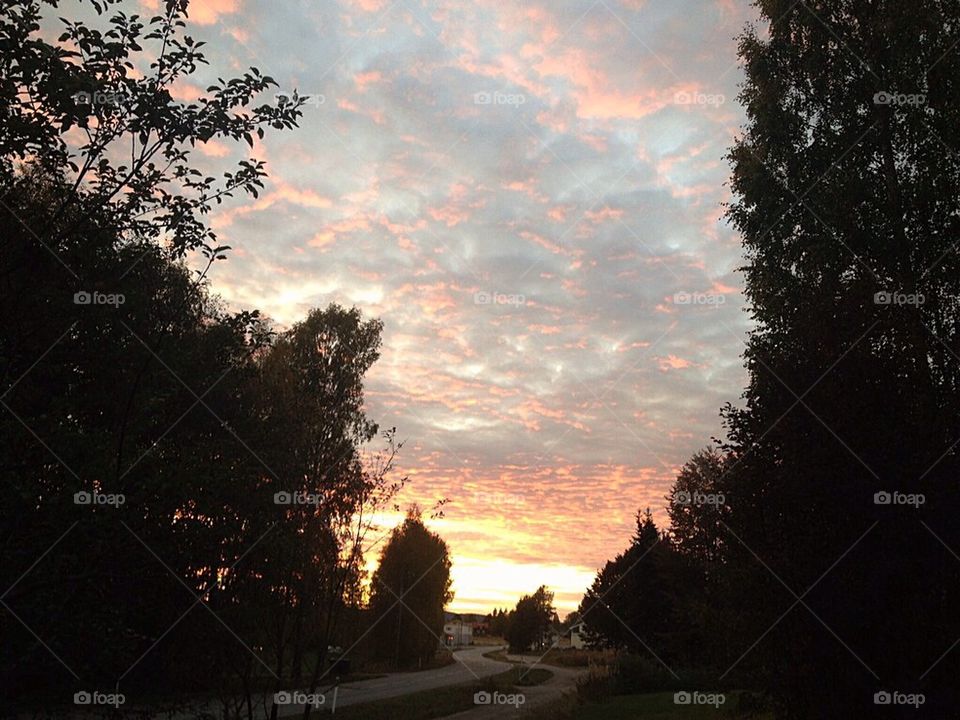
(846, 183)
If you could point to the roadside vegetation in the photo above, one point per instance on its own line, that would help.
(440, 702)
(558, 657)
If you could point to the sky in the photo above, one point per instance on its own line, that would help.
(530, 197)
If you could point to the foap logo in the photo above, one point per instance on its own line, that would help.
(499, 98)
(295, 498)
(900, 99)
(898, 298)
(482, 297)
(311, 99)
(296, 697)
(498, 698)
(97, 97)
(698, 498)
(498, 499)
(98, 498)
(695, 697)
(98, 298)
(699, 98)
(892, 697)
(898, 498)
(95, 697)
(699, 298)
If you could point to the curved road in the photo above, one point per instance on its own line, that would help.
(564, 680)
(468, 665)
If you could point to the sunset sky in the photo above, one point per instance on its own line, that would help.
(528, 195)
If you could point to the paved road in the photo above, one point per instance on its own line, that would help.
(468, 665)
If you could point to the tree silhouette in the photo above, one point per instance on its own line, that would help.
(124, 378)
(845, 191)
(408, 592)
(528, 623)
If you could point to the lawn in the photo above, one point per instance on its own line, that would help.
(559, 657)
(440, 702)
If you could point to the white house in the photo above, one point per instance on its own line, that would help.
(456, 632)
(577, 641)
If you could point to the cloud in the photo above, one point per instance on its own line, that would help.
(517, 193)
(208, 12)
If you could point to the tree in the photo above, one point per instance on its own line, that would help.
(311, 427)
(569, 621)
(628, 605)
(195, 416)
(115, 87)
(697, 506)
(530, 620)
(408, 592)
(846, 191)
(698, 576)
(99, 598)
(498, 621)
(199, 492)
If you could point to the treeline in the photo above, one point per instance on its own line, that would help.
(185, 490)
(812, 555)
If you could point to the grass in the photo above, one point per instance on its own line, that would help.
(440, 702)
(500, 655)
(488, 640)
(560, 657)
(534, 676)
(649, 706)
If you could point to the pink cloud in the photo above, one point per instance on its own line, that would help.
(363, 80)
(186, 92)
(283, 193)
(603, 214)
(206, 12)
(330, 233)
(213, 148)
(376, 115)
(672, 362)
(544, 243)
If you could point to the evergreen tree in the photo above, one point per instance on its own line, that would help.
(628, 605)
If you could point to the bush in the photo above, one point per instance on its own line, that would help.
(563, 708)
(596, 684)
(581, 658)
(635, 674)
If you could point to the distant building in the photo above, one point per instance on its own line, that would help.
(457, 631)
(476, 621)
(577, 640)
